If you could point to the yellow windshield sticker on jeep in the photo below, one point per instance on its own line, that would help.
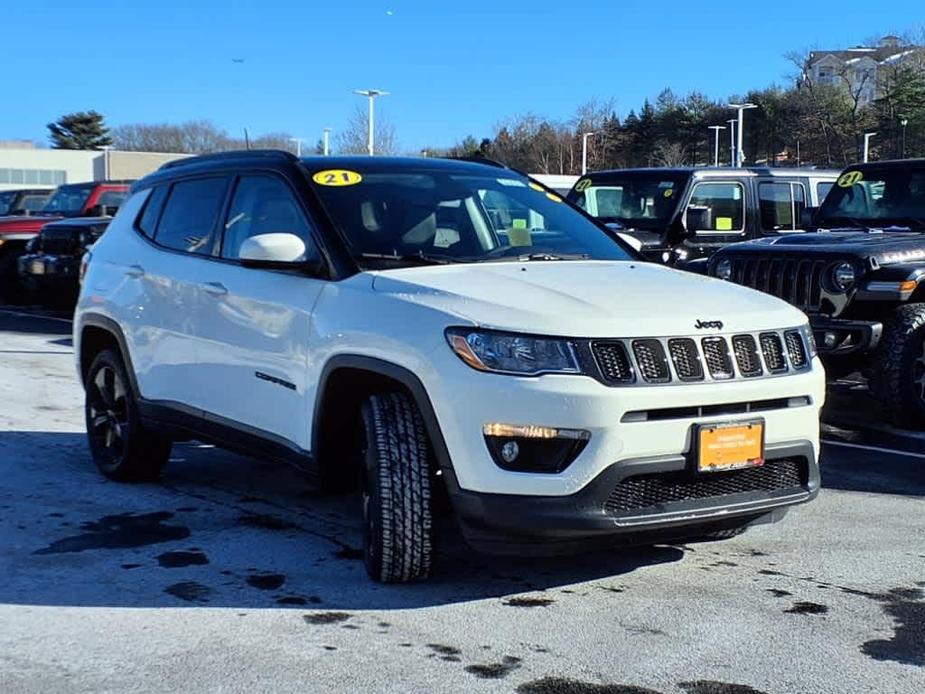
(519, 236)
(537, 187)
(553, 197)
(337, 177)
(519, 223)
(668, 192)
(724, 224)
(849, 178)
(583, 185)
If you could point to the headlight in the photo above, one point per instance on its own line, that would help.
(843, 276)
(723, 269)
(810, 341)
(512, 353)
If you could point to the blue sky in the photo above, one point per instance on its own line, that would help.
(453, 68)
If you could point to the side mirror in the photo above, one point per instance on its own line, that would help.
(699, 219)
(278, 250)
(807, 215)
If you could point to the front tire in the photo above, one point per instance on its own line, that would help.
(396, 490)
(122, 448)
(898, 375)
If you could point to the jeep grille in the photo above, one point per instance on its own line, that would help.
(797, 281)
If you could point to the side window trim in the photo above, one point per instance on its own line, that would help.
(714, 232)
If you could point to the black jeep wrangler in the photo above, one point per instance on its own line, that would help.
(860, 276)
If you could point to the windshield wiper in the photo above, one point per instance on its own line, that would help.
(907, 222)
(552, 256)
(420, 258)
(836, 222)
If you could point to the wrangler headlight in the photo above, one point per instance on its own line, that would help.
(843, 276)
(512, 353)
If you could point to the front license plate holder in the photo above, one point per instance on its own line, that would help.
(724, 446)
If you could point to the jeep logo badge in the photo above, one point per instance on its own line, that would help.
(702, 324)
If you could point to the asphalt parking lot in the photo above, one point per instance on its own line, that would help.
(231, 575)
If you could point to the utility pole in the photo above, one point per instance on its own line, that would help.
(732, 141)
(298, 145)
(741, 108)
(325, 138)
(867, 137)
(370, 94)
(716, 129)
(904, 122)
(584, 152)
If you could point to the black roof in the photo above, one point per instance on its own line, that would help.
(29, 191)
(891, 163)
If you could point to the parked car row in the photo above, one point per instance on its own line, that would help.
(23, 221)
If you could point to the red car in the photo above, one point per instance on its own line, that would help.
(93, 199)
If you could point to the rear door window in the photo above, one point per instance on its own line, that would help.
(725, 202)
(190, 215)
(780, 203)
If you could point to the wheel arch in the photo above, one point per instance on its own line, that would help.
(98, 333)
(346, 380)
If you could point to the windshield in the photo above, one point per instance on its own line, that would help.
(637, 199)
(68, 201)
(876, 197)
(438, 216)
(6, 202)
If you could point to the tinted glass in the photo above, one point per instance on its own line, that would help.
(726, 203)
(262, 205)
(781, 204)
(461, 217)
(69, 201)
(190, 214)
(822, 189)
(645, 199)
(33, 203)
(884, 197)
(6, 201)
(147, 221)
(112, 198)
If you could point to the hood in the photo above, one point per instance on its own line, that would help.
(24, 224)
(884, 247)
(587, 298)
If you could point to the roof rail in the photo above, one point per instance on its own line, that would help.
(277, 154)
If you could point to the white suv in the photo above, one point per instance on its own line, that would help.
(409, 325)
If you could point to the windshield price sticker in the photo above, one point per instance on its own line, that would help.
(583, 185)
(553, 197)
(668, 192)
(849, 178)
(537, 187)
(337, 177)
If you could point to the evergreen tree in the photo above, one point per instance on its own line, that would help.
(80, 130)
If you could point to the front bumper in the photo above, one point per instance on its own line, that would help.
(48, 266)
(840, 337)
(676, 503)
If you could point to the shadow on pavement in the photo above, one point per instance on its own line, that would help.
(227, 531)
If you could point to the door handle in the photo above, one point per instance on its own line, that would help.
(135, 271)
(214, 288)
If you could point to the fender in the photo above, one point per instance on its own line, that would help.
(97, 320)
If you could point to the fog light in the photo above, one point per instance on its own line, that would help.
(510, 451)
(534, 448)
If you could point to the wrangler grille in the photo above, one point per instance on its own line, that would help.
(797, 281)
(746, 352)
(656, 492)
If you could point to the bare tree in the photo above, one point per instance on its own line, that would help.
(669, 154)
(352, 139)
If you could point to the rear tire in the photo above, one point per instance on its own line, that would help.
(122, 448)
(897, 378)
(396, 490)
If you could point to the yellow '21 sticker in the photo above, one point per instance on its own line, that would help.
(583, 185)
(849, 178)
(337, 177)
(537, 187)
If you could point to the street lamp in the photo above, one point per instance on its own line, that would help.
(867, 137)
(904, 122)
(716, 129)
(325, 138)
(298, 145)
(584, 152)
(370, 94)
(741, 108)
(732, 141)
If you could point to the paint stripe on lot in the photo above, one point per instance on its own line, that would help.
(39, 316)
(878, 449)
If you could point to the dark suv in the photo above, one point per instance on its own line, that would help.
(682, 215)
(860, 276)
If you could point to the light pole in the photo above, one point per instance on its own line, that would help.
(798, 153)
(325, 139)
(867, 137)
(370, 94)
(716, 129)
(298, 145)
(741, 108)
(584, 152)
(732, 141)
(904, 122)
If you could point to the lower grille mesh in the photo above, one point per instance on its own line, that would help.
(656, 491)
